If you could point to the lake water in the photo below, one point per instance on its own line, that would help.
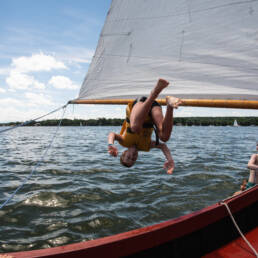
(80, 192)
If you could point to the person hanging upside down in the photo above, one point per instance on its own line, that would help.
(142, 117)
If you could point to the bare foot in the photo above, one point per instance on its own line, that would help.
(173, 102)
(161, 84)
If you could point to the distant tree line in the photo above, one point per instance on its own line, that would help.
(81, 122)
(216, 121)
(183, 121)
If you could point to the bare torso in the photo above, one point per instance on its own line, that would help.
(253, 166)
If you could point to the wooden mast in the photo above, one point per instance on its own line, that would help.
(216, 103)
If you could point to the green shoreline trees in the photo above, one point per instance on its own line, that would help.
(180, 121)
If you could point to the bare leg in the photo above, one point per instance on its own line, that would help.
(164, 124)
(141, 109)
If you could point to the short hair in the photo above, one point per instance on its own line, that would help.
(122, 160)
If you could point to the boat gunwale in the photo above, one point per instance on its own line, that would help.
(134, 241)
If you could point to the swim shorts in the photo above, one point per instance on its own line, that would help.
(142, 99)
(249, 185)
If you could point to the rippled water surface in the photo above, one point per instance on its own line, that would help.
(79, 192)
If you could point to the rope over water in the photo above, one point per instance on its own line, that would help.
(34, 120)
(43, 156)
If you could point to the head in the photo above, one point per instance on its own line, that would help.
(129, 157)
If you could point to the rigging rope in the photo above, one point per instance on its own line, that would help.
(241, 234)
(33, 120)
(39, 162)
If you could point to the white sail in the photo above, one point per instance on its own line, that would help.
(235, 123)
(206, 49)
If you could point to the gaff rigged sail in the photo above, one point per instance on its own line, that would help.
(206, 49)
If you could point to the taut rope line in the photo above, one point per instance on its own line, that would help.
(33, 120)
(39, 162)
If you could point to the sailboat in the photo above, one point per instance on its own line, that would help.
(235, 123)
(208, 52)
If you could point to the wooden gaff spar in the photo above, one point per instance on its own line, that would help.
(215, 103)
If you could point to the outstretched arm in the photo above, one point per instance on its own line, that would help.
(252, 163)
(112, 137)
(169, 165)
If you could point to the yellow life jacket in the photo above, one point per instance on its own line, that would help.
(141, 140)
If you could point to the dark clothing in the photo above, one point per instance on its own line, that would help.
(142, 99)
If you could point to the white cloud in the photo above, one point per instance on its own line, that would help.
(19, 78)
(12, 113)
(62, 82)
(2, 90)
(36, 63)
(38, 99)
(32, 99)
(4, 71)
(30, 107)
(77, 55)
(7, 102)
(39, 85)
(21, 81)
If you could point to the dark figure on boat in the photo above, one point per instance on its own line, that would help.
(142, 117)
(253, 176)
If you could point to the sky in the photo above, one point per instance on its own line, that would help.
(45, 52)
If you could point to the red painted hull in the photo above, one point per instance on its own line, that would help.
(192, 235)
(237, 248)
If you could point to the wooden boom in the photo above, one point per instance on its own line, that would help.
(216, 103)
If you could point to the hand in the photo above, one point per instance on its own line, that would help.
(112, 150)
(173, 102)
(169, 165)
